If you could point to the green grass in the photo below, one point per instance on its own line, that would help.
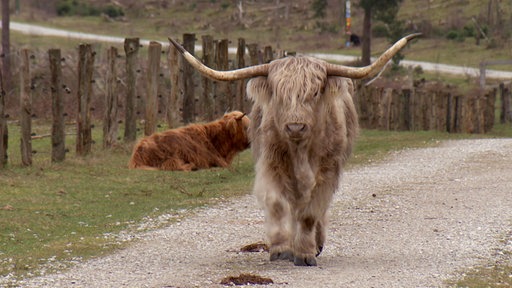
(492, 276)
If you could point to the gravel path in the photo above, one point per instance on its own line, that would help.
(413, 220)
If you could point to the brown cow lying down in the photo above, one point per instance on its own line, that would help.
(196, 146)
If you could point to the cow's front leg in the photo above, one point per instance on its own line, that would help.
(277, 216)
(304, 244)
(309, 229)
(320, 235)
(278, 228)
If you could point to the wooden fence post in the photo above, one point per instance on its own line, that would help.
(131, 49)
(58, 127)
(206, 103)
(449, 113)
(240, 84)
(25, 109)
(267, 54)
(110, 124)
(489, 110)
(505, 93)
(85, 73)
(154, 53)
(406, 119)
(253, 54)
(216, 84)
(189, 99)
(457, 115)
(223, 100)
(385, 110)
(176, 93)
(3, 125)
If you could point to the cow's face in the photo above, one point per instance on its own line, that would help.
(291, 95)
(237, 124)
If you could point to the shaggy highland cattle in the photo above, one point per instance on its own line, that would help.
(303, 128)
(193, 147)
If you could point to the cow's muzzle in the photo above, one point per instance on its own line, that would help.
(296, 131)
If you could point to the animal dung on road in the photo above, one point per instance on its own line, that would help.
(246, 279)
(255, 247)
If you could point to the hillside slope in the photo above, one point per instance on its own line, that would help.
(291, 25)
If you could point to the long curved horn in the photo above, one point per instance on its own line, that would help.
(362, 72)
(244, 73)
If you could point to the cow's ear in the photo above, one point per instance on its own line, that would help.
(337, 86)
(258, 90)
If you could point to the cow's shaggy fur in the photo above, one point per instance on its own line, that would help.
(196, 146)
(303, 126)
(302, 130)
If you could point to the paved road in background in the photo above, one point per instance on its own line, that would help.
(427, 66)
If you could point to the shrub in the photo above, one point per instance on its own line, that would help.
(379, 30)
(113, 12)
(81, 8)
(456, 35)
(452, 35)
(319, 7)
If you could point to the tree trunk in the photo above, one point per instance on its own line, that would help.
(367, 36)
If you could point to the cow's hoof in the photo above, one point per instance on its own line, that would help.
(285, 255)
(319, 250)
(304, 261)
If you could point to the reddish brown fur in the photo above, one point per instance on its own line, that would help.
(196, 146)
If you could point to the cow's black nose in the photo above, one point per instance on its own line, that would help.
(296, 130)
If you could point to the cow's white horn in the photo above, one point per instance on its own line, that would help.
(362, 72)
(244, 73)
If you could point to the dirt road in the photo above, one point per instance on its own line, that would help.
(414, 220)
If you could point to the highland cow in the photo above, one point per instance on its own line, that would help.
(193, 147)
(303, 128)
